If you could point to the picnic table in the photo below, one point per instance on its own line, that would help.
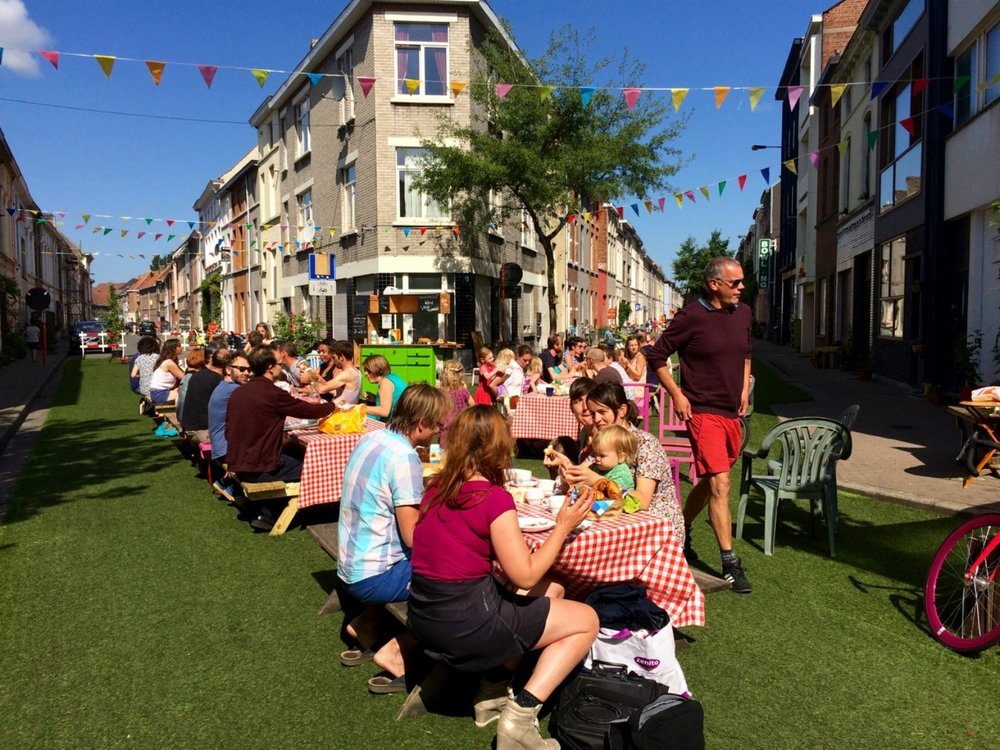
(627, 547)
(323, 465)
(539, 417)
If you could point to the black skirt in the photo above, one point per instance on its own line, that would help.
(474, 625)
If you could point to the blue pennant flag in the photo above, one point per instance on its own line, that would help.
(586, 92)
(766, 174)
(877, 87)
(314, 78)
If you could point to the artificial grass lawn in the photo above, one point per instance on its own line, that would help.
(136, 612)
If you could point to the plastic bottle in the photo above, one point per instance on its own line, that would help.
(434, 453)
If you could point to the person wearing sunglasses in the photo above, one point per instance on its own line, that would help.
(712, 337)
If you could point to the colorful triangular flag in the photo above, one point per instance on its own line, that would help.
(704, 191)
(755, 94)
(631, 97)
(366, 83)
(766, 174)
(721, 92)
(909, 125)
(842, 147)
(457, 87)
(742, 179)
(107, 62)
(503, 89)
(545, 92)
(156, 70)
(260, 76)
(877, 88)
(872, 138)
(837, 91)
(678, 97)
(86, 218)
(586, 92)
(722, 186)
(315, 79)
(960, 83)
(794, 92)
(814, 158)
(920, 84)
(690, 195)
(680, 199)
(412, 84)
(208, 74)
(791, 166)
(51, 56)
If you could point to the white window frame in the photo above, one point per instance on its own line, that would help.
(426, 214)
(892, 277)
(349, 203)
(303, 143)
(345, 66)
(977, 55)
(527, 231)
(400, 93)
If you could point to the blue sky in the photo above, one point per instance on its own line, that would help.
(80, 161)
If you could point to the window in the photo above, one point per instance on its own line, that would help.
(902, 152)
(348, 175)
(821, 302)
(422, 55)
(866, 159)
(305, 219)
(345, 66)
(527, 231)
(424, 282)
(845, 178)
(304, 144)
(890, 323)
(981, 63)
(413, 204)
(900, 28)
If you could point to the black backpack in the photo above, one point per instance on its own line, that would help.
(608, 708)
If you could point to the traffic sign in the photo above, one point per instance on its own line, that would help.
(38, 299)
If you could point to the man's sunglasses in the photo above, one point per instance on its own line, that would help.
(732, 284)
(240, 368)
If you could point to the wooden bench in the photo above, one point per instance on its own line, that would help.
(256, 491)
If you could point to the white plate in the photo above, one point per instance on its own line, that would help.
(530, 483)
(532, 523)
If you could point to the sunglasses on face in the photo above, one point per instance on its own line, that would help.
(239, 368)
(732, 284)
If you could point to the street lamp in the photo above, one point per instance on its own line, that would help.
(761, 147)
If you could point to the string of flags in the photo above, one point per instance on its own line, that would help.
(630, 94)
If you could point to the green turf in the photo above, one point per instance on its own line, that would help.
(136, 612)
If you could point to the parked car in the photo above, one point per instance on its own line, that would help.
(91, 330)
(147, 328)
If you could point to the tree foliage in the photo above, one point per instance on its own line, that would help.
(299, 328)
(211, 299)
(112, 319)
(692, 259)
(541, 149)
(157, 262)
(624, 312)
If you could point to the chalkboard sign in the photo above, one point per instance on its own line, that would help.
(359, 326)
(383, 304)
(429, 303)
(361, 305)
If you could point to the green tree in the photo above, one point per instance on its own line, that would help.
(211, 299)
(113, 320)
(624, 312)
(542, 150)
(299, 328)
(692, 259)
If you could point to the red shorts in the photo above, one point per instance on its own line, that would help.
(715, 441)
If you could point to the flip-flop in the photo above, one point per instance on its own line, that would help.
(383, 684)
(354, 657)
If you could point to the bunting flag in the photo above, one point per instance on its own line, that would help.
(909, 125)
(545, 92)
(423, 231)
(842, 148)
(680, 199)
(170, 222)
(52, 57)
(158, 235)
(814, 158)
(156, 70)
(794, 92)
(412, 84)
(333, 230)
(722, 186)
(878, 87)
(124, 232)
(586, 215)
(690, 195)
(1, 55)
(586, 92)
(631, 97)
(208, 74)
(457, 87)
(107, 230)
(742, 179)
(837, 91)
(756, 92)
(260, 76)
(704, 191)
(635, 207)
(947, 111)
(570, 218)
(649, 206)
(791, 166)
(721, 92)
(107, 62)
(140, 235)
(872, 138)
(148, 221)
(661, 202)
(678, 97)
(366, 83)
(920, 84)
(621, 212)
(766, 174)
(503, 89)
(960, 83)
(315, 79)
(170, 237)
(86, 218)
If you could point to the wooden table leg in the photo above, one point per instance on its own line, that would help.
(285, 519)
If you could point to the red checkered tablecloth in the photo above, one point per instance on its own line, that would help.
(638, 547)
(325, 459)
(539, 417)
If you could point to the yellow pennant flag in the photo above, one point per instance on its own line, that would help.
(678, 97)
(107, 62)
(86, 218)
(333, 231)
(842, 147)
(836, 92)
(704, 191)
(211, 224)
(545, 92)
(260, 75)
(790, 166)
(124, 232)
(679, 198)
(649, 207)
(756, 93)
(721, 92)
(457, 87)
(156, 70)
(412, 84)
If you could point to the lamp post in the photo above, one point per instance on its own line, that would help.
(761, 147)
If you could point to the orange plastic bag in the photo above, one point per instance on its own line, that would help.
(348, 422)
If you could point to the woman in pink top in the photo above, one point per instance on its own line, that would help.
(461, 614)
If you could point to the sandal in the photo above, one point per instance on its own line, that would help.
(383, 684)
(354, 657)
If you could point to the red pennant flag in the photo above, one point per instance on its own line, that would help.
(631, 97)
(661, 202)
(690, 195)
(423, 231)
(158, 235)
(366, 83)
(139, 236)
(52, 57)
(909, 126)
(621, 212)
(170, 222)
(920, 84)
(208, 74)
(742, 181)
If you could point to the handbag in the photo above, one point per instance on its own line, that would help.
(347, 422)
(650, 655)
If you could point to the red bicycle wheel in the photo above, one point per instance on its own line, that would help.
(964, 610)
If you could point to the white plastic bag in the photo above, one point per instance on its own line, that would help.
(646, 654)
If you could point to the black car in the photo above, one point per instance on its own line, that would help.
(147, 328)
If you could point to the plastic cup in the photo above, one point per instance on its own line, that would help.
(550, 390)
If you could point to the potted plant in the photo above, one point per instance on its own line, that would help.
(967, 352)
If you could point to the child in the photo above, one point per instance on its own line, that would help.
(533, 375)
(453, 382)
(614, 449)
(504, 358)
(489, 378)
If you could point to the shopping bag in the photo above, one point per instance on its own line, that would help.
(350, 421)
(649, 655)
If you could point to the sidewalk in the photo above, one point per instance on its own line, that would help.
(904, 446)
(20, 384)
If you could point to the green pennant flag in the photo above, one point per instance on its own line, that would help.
(107, 230)
(872, 138)
(960, 83)
(722, 186)
(148, 222)
(170, 237)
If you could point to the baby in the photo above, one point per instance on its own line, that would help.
(613, 449)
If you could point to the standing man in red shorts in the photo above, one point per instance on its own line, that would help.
(712, 336)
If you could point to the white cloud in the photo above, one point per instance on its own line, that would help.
(20, 37)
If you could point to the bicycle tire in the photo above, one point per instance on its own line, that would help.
(965, 615)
